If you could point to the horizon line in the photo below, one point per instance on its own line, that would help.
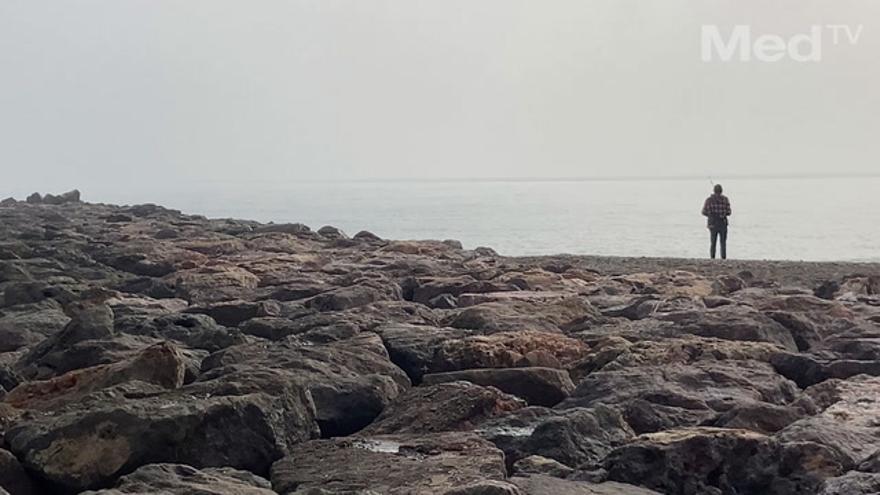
(596, 178)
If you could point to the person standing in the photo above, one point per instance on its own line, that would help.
(717, 208)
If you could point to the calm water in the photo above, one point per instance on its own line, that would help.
(801, 219)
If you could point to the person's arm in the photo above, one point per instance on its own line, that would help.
(706, 208)
(727, 209)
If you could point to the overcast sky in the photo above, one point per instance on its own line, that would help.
(135, 92)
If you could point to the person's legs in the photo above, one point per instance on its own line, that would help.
(713, 237)
(723, 234)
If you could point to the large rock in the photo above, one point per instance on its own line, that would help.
(197, 331)
(161, 364)
(30, 326)
(846, 423)
(569, 313)
(464, 406)
(722, 462)
(180, 479)
(232, 313)
(244, 419)
(732, 323)
(508, 350)
(394, 465)
(90, 321)
(80, 355)
(355, 296)
(429, 288)
(677, 395)
(576, 437)
(413, 347)
(852, 483)
(538, 386)
(546, 485)
(351, 381)
(13, 476)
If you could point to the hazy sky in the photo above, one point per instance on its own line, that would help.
(135, 92)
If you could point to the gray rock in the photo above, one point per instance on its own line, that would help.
(13, 476)
(351, 381)
(244, 419)
(538, 386)
(576, 437)
(852, 483)
(426, 464)
(546, 485)
(464, 406)
(180, 479)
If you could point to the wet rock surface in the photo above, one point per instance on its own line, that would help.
(143, 350)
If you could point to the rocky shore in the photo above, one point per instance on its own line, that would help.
(147, 351)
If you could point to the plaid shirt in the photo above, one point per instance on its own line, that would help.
(717, 208)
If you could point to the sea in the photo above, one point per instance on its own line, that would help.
(813, 219)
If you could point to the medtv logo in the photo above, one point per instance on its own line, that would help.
(742, 46)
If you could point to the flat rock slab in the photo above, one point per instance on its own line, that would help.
(391, 465)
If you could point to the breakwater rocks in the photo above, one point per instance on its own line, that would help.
(143, 350)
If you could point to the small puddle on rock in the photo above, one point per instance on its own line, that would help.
(381, 446)
(507, 431)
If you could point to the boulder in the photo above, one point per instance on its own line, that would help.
(161, 364)
(678, 395)
(536, 484)
(180, 479)
(852, 483)
(464, 406)
(536, 464)
(196, 331)
(537, 386)
(637, 308)
(367, 236)
(540, 316)
(764, 418)
(429, 288)
(88, 322)
(33, 292)
(725, 285)
(354, 296)
(30, 325)
(244, 419)
(846, 422)
(508, 350)
(720, 461)
(486, 487)
(80, 355)
(13, 476)
(331, 232)
(413, 347)
(283, 228)
(351, 381)
(732, 323)
(577, 437)
(443, 301)
(233, 313)
(428, 464)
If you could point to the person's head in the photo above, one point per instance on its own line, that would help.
(718, 189)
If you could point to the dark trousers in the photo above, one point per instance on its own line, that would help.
(715, 233)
